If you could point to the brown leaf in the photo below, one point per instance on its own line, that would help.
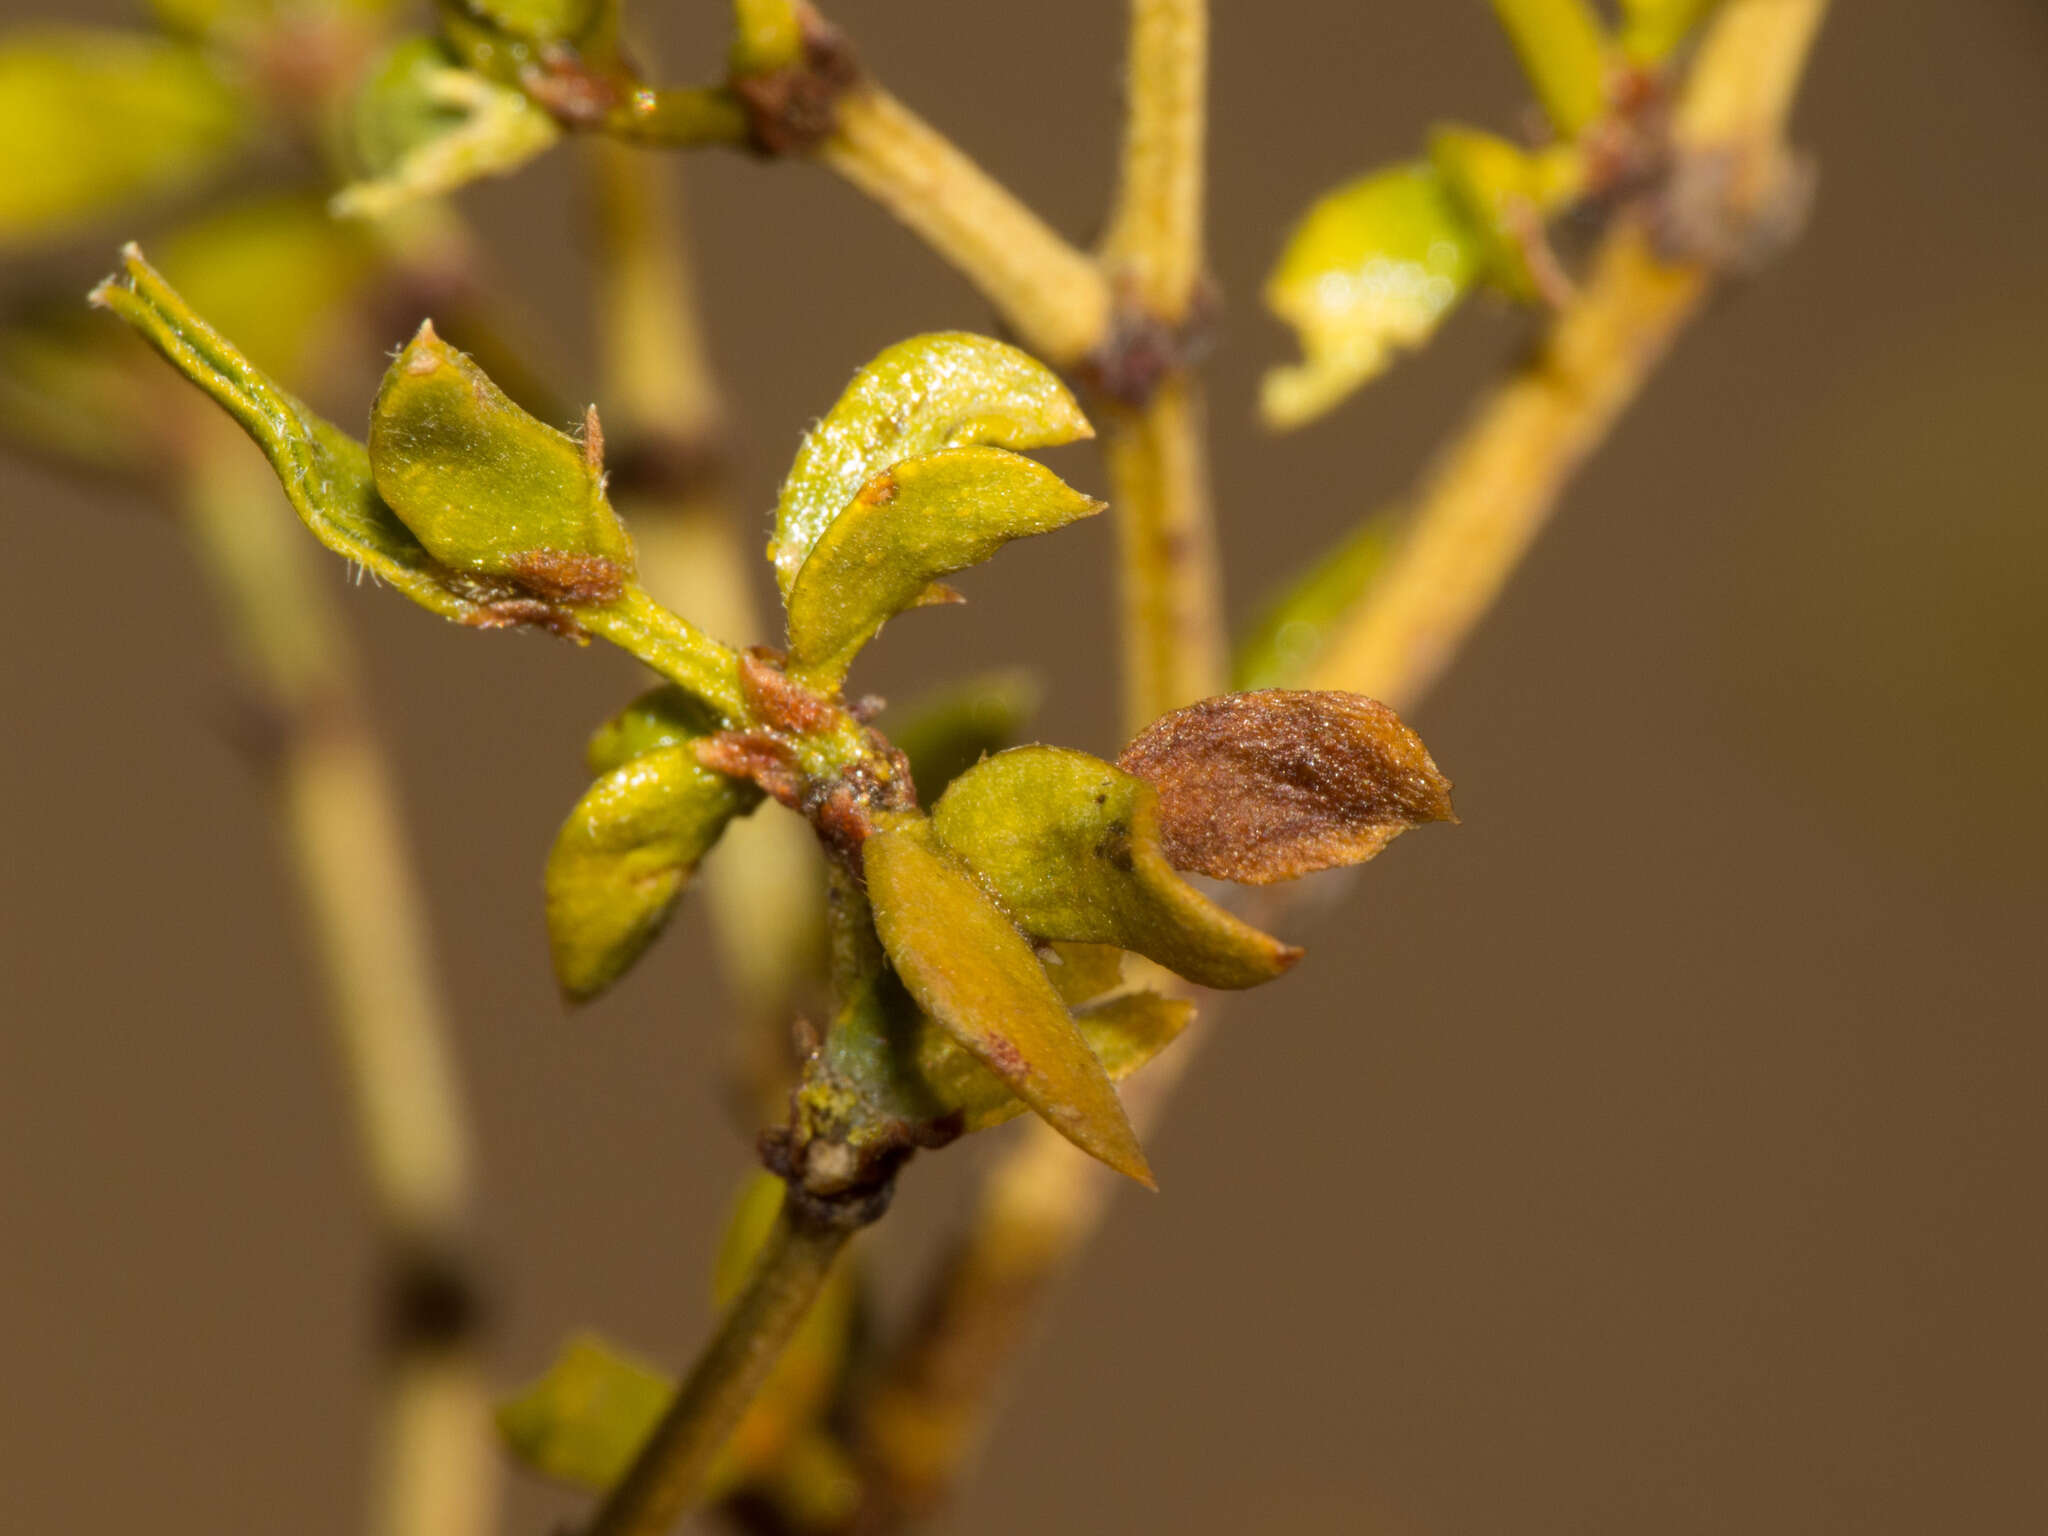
(1267, 786)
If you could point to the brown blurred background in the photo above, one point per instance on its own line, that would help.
(1661, 1150)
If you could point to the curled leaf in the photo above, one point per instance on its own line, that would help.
(948, 733)
(1070, 846)
(974, 974)
(325, 473)
(621, 860)
(1372, 267)
(663, 716)
(487, 488)
(89, 119)
(1268, 786)
(914, 522)
(1563, 48)
(423, 127)
(945, 390)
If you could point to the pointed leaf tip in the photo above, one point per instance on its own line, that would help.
(487, 488)
(970, 969)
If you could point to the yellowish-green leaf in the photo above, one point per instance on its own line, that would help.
(621, 860)
(423, 127)
(1507, 192)
(1123, 1032)
(489, 489)
(1651, 30)
(945, 390)
(1564, 51)
(1083, 972)
(1295, 629)
(914, 522)
(325, 472)
(948, 733)
(1275, 784)
(90, 119)
(974, 974)
(1371, 268)
(1070, 846)
(663, 716)
(582, 1421)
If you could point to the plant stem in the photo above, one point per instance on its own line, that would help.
(1158, 451)
(1051, 294)
(1491, 493)
(1172, 608)
(668, 1473)
(922, 1411)
(341, 825)
(1154, 243)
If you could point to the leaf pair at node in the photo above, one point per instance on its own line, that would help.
(1040, 849)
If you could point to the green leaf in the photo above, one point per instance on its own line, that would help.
(582, 1422)
(948, 733)
(1564, 52)
(489, 489)
(912, 523)
(975, 975)
(423, 127)
(1372, 267)
(1070, 846)
(1651, 30)
(1267, 786)
(1507, 192)
(325, 472)
(945, 390)
(90, 119)
(621, 860)
(663, 716)
(1295, 629)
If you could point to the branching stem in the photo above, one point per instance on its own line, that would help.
(921, 1414)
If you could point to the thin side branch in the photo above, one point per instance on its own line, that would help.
(1154, 243)
(922, 1415)
(1051, 294)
